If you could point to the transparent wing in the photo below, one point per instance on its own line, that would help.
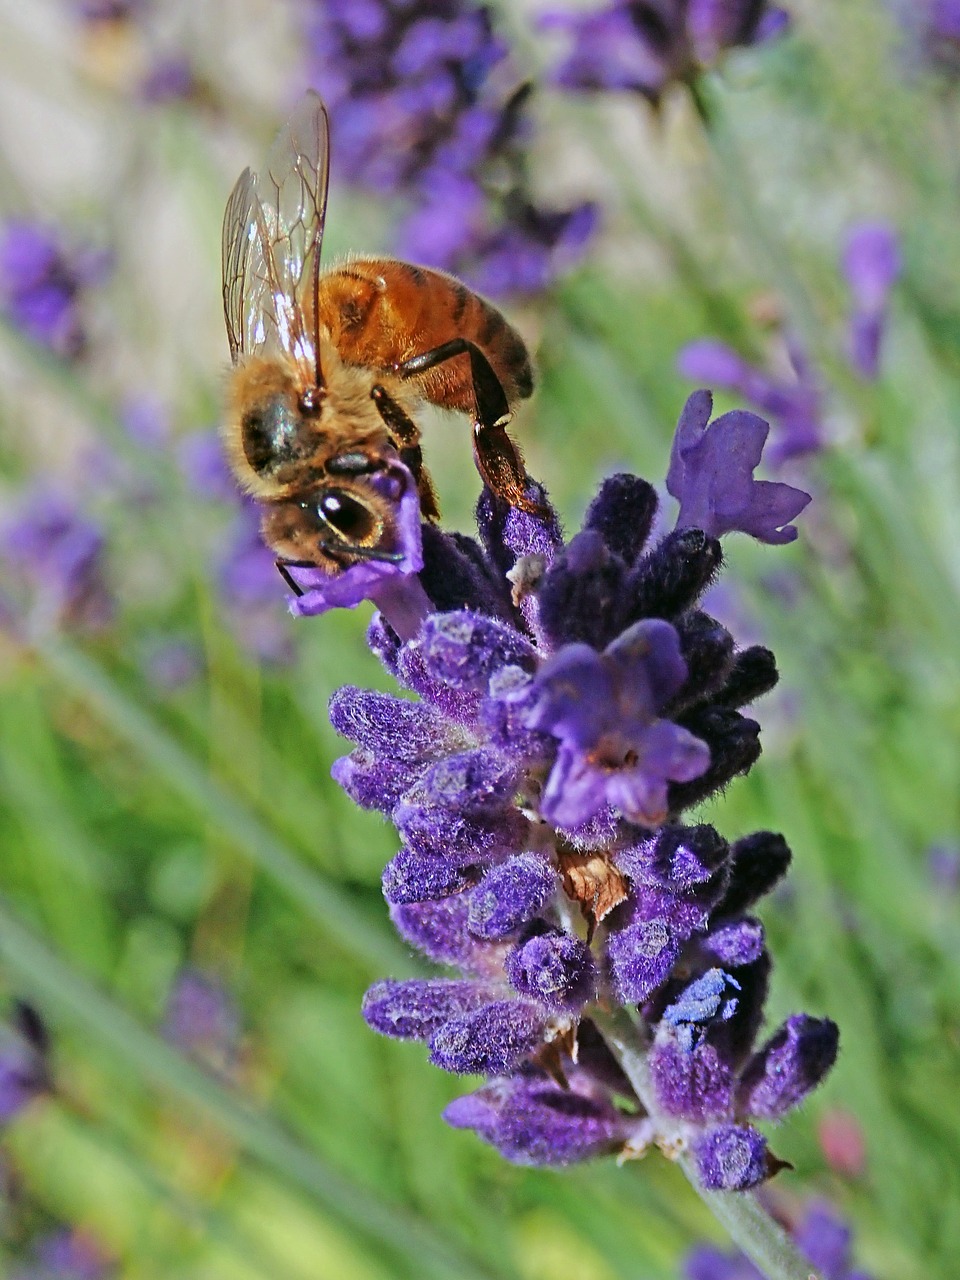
(272, 234)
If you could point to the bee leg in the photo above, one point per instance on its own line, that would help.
(499, 460)
(407, 435)
(286, 575)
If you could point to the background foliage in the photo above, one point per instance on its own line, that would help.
(159, 817)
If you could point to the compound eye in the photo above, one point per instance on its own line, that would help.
(349, 518)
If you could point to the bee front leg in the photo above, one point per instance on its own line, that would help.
(406, 433)
(499, 460)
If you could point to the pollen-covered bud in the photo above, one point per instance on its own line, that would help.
(418, 877)
(491, 1041)
(396, 727)
(533, 1121)
(555, 968)
(731, 1158)
(373, 781)
(735, 943)
(414, 1009)
(509, 895)
(464, 649)
(789, 1066)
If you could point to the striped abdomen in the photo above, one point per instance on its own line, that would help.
(380, 312)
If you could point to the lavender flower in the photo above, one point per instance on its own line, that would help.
(795, 402)
(42, 283)
(644, 45)
(561, 732)
(871, 264)
(24, 1061)
(202, 1020)
(65, 1255)
(424, 104)
(821, 1236)
(56, 555)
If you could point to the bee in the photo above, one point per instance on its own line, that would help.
(331, 365)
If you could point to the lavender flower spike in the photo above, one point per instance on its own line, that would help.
(574, 701)
(711, 476)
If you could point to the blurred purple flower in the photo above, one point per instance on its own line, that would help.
(794, 407)
(821, 1236)
(424, 105)
(202, 1020)
(644, 45)
(871, 263)
(943, 865)
(65, 1255)
(170, 78)
(57, 555)
(24, 1060)
(42, 283)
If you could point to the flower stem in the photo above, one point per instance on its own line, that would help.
(748, 1224)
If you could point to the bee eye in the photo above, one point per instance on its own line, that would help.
(348, 517)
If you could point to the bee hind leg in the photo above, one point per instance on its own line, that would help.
(499, 460)
(406, 433)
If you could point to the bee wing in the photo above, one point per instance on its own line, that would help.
(272, 232)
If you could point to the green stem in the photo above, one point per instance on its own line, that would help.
(748, 1224)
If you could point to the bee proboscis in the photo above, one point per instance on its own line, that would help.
(331, 364)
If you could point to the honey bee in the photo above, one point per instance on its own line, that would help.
(332, 363)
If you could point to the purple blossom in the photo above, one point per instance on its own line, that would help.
(202, 1020)
(42, 282)
(57, 556)
(560, 731)
(643, 45)
(426, 104)
(871, 264)
(65, 1255)
(603, 710)
(822, 1237)
(24, 1061)
(711, 476)
(795, 405)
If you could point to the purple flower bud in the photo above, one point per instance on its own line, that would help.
(509, 895)
(385, 724)
(824, 1239)
(791, 1064)
(711, 476)
(555, 968)
(439, 930)
(456, 575)
(373, 781)
(533, 1121)
(414, 877)
(641, 956)
(510, 534)
(871, 263)
(693, 1084)
(580, 595)
(676, 858)
(414, 1009)
(757, 863)
(731, 1158)
(668, 580)
(464, 649)
(623, 513)
(491, 1041)
(709, 999)
(736, 943)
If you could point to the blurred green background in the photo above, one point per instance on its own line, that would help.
(156, 817)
